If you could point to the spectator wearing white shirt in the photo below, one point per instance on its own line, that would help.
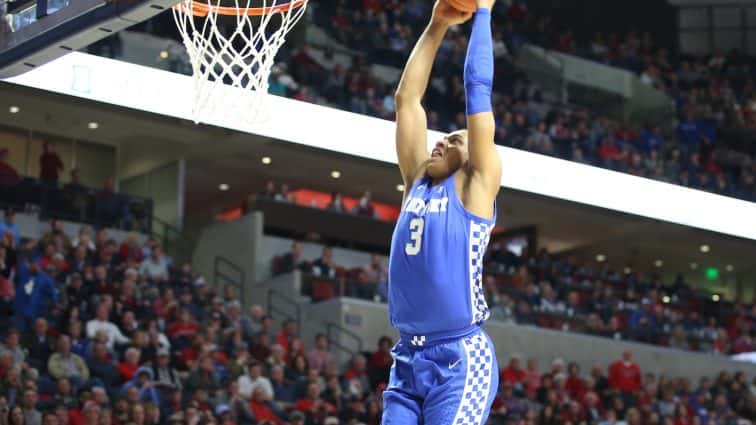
(101, 323)
(155, 267)
(254, 379)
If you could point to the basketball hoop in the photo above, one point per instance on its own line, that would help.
(231, 43)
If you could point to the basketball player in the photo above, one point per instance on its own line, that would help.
(445, 369)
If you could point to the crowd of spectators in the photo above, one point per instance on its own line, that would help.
(96, 332)
(690, 152)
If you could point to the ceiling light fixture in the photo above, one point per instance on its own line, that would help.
(601, 258)
(14, 109)
(705, 248)
(335, 174)
(223, 187)
(266, 160)
(658, 263)
(93, 125)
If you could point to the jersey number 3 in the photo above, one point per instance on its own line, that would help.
(416, 236)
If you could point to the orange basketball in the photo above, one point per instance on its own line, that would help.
(463, 5)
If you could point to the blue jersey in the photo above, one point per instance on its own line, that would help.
(436, 263)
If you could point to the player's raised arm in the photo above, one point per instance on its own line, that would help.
(479, 72)
(411, 121)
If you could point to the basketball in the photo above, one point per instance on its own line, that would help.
(463, 5)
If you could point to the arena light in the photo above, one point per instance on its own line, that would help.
(730, 268)
(712, 273)
(715, 298)
(14, 109)
(400, 188)
(336, 174)
(163, 54)
(166, 93)
(93, 125)
(666, 299)
(601, 258)
(658, 263)
(705, 248)
(223, 187)
(693, 265)
(628, 270)
(266, 160)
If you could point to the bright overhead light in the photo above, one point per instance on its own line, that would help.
(335, 174)
(658, 263)
(715, 298)
(14, 109)
(223, 187)
(400, 188)
(666, 299)
(705, 248)
(164, 54)
(628, 270)
(730, 268)
(93, 125)
(601, 258)
(266, 160)
(693, 266)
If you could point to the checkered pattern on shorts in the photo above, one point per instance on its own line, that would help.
(479, 234)
(477, 381)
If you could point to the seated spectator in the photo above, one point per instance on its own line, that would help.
(56, 231)
(513, 373)
(323, 266)
(39, 345)
(283, 194)
(320, 357)
(8, 175)
(110, 207)
(380, 362)
(130, 250)
(101, 323)
(13, 348)
(262, 408)
(65, 364)
(269, 193)
(102, 367)
(130, 364)
(355, 379)
(155, 267)
(165, 376)
(9, 225)
(253, 380)
(284, 390)
(312, 404)
(142, 383)
(76, 196)
(365, 207)
(624, 375)
(184, 330)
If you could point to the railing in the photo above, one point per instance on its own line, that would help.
(274, 295)
(220, 276)
(171, 238)
(334, 341)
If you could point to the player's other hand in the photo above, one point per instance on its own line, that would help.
(487, 4)
(444, 14)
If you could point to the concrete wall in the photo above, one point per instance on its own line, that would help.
(238, 241)
(32, 228)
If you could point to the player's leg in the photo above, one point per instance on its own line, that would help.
(466, 385)
(400, 404)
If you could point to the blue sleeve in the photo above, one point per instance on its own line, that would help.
(479, 65)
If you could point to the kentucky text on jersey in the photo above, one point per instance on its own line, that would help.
(436, 264)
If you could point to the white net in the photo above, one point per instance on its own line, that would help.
(234, 44)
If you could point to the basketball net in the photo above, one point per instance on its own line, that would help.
(237, 54)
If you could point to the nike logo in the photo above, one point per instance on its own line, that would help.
(452, 365)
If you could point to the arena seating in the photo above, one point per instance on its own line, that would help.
(116, 333)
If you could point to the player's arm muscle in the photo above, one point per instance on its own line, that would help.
(411, 120)
(485, 165)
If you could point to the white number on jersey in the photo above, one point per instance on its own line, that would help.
(416, 236)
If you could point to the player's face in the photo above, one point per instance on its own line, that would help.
(448, 155)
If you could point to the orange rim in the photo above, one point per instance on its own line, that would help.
(200, 8)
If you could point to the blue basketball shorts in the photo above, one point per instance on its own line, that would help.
(448, 383)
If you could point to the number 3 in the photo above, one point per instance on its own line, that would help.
(416, 236)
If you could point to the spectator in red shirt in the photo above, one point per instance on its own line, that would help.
(261, 408)
(513, 373)
(50, 164)
(356, 378)
(608, 152)
(129, 366)
(185, 329)
(287, 334)
(624, 375)
(575, 385)
(130, 249)
(381, 361)
(8, 175)
(532, 377)
(312, 405)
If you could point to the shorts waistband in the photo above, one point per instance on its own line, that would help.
(437, 337)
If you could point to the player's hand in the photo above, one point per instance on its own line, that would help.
(444, 14)
(486, 4)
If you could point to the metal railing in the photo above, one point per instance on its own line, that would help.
(334, 341)
(238, 278)
(274, 296)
